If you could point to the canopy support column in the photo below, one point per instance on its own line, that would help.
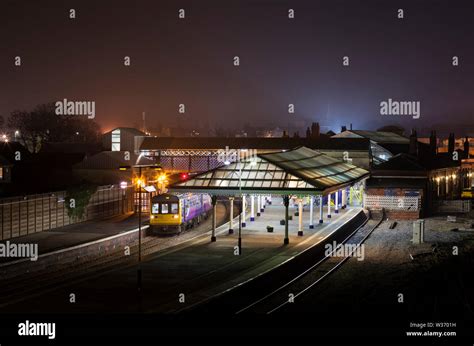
(336, 209)
(244, 205)
(259, 205)
(214, 218)
(311, 210)
(329, 206)
(231, 216)
(300, 217)
(321, 209)
(344, 197)
(286, 202)
(252, 207)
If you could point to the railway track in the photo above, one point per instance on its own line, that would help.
(29, 285)
(289, 292)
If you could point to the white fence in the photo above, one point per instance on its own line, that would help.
(392, 202)
(455, 206)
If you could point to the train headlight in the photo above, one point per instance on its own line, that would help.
(152, 217)
(175, 216)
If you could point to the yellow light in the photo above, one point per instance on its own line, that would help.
(140, 182)
(162, 178)
(175, 216)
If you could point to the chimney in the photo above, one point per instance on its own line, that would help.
(433, 148)
(466, 148)
(413, 150)
(451, 143)
(350, 126)
(343, 128)
(315, 130)
(308, 132)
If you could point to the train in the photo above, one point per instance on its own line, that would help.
(171, 214)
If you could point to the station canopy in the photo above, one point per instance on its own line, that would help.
(298, 171)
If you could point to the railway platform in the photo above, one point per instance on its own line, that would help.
(179, 277)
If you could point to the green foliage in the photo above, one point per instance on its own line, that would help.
(77, 199)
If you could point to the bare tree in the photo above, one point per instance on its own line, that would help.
(44, 125)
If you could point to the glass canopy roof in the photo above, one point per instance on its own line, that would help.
(301, 170)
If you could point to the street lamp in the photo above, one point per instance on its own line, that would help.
(140, 184)
(241, 205)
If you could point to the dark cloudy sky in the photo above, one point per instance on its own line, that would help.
(282, 61)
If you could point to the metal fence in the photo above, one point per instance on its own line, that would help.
(392, 202)
(453, 206)
(36, 213)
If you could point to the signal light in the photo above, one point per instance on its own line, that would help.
(184, 176)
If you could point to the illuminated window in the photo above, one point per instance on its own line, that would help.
(116, 140)
(1, 173)
(164, 208)
(174, 208)
(155, 208)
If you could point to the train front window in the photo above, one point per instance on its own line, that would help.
(164, 208)
(155, 208)
(174, 208)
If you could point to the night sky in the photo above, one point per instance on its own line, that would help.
(283, 61)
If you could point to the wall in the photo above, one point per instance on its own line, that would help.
(24, 215)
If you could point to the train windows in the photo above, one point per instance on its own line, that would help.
(174, 208)
(155, 208)
(164, 208)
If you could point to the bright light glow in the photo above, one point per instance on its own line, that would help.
(123, 185)
(175, 216)
(140, 182)
(226, 162)
(162, 178)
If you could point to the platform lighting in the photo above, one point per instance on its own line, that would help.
(162, 178)
(140, 183)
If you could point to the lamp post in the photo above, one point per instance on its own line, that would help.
(139, 186)
(240, 214)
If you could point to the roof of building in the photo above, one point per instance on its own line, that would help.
(71, 148)
(9, 151)
(301, 170)
(106, 160)
(132, 130)
(376, 136)
(4, 162)
(270, 143)
(401, 165)
(402, 162)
